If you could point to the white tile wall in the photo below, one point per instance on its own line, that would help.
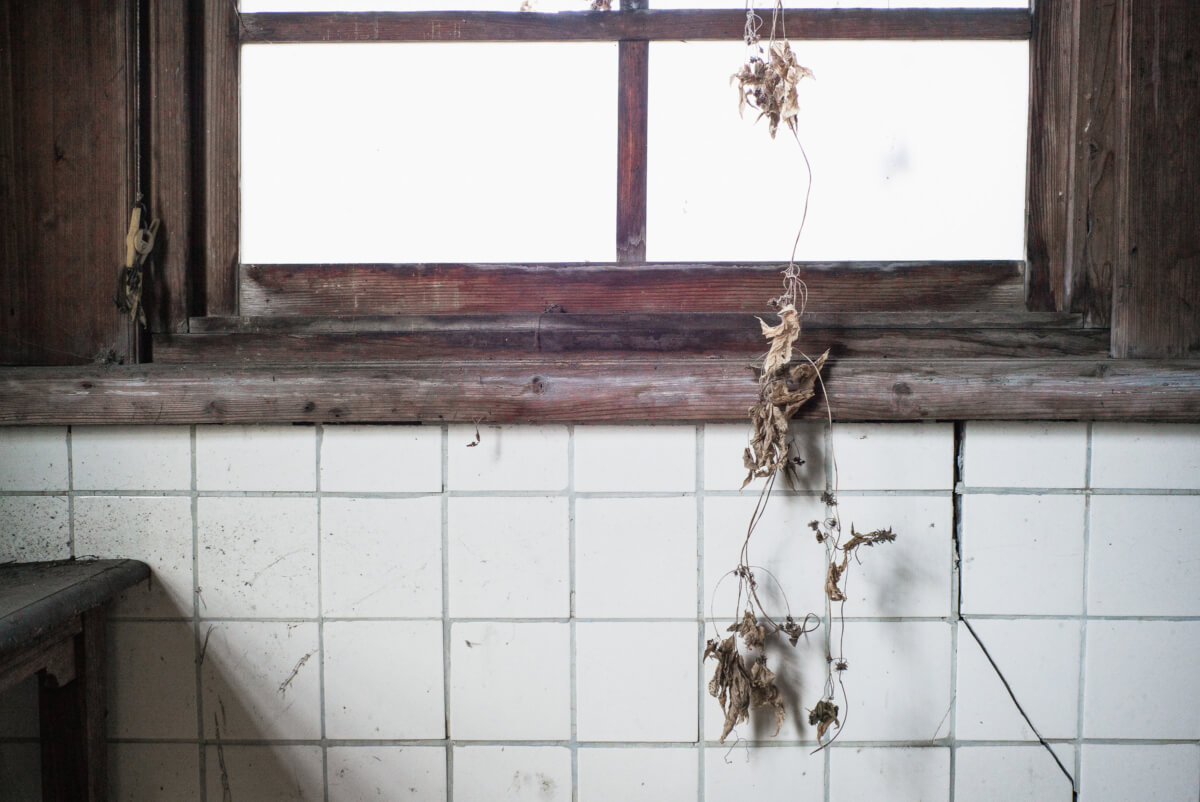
(384, 612)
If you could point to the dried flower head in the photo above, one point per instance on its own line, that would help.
(767, 82)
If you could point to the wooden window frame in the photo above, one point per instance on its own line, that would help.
(1044, 339)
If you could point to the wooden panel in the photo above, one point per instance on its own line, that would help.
(598, 390)
(170, 193)
(591, 336)
(1156, 303)
(1099, 127)
(1052, 57)
(382, 26)
(331, 290)
(74, 753)
(632, 125)
(66, 142)
(217, 282)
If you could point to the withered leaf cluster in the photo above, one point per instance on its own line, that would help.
(138, 244)
(823, 716)
(834, 577)
(737, 688)
(768, 83)
(783, 391)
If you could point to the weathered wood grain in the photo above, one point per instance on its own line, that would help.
(170, 196)
(67, 139)
(633, 87)
(1052, 70)
(1156, 301)
(432, 289)
(597, 390)
(216, 283)
(437, 26)
(1100, 121)
(592, 336)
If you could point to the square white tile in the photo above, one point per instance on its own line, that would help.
(512, 774)
(131, 457)
(154, 529)
(1022, 555)
(725, 443)
(787, 559)
(898, 680)
(375, 773)
(1012, 773)
(139, 772)
(1024, 454)
(381, 459)
(507, 457)
(34, 528)
(261, 680)
(638, 775)
(799, 674)
(1120, 772)
(1141, 680)
(33, 458)
(19, 709)
(764, 774)
(894, 456)
(636, 681)
(897, 774)
(20, 771)
(1146, 455)
(909, 576)
(381, 557)
(151, 680)
(1040, 660)
(637, 458)
(509, 557)
(635, 558)
(510, 681)
(1127, 578)
(256, 458)
(383, 680)
(257, 557)
(265, 773)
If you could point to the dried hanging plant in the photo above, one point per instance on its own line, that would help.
(741, 683)
(139, 242)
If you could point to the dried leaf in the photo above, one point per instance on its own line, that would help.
(601, 5)
(823, 716)
(769, 85)
(752, 633)
(782, 337)
(763, 691)
(739, 690)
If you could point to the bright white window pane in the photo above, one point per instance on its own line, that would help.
(917, 150)
(413, 5)
(428, 152)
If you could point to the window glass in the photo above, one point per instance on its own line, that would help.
(428, 152)
(917, 151)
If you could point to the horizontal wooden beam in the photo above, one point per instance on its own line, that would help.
(500, 26)
(626, 389)
(591, 288)
(515, 336)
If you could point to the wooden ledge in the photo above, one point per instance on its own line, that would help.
(595, 390)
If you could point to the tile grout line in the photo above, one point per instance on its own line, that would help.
(701, 687)
(446, 623)
(829, 488)
(573, 744)
(71, 492)
(1083, 612)
(197, 645)
(956, 532)
(320, 440)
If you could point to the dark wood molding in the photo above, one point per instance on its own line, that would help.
(243, 341)
(1052, 67)
(593, 288)
(1156, 301)
(170, 196)
(633, 87)
(216, 284)
(480, 26)
(626, 389)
